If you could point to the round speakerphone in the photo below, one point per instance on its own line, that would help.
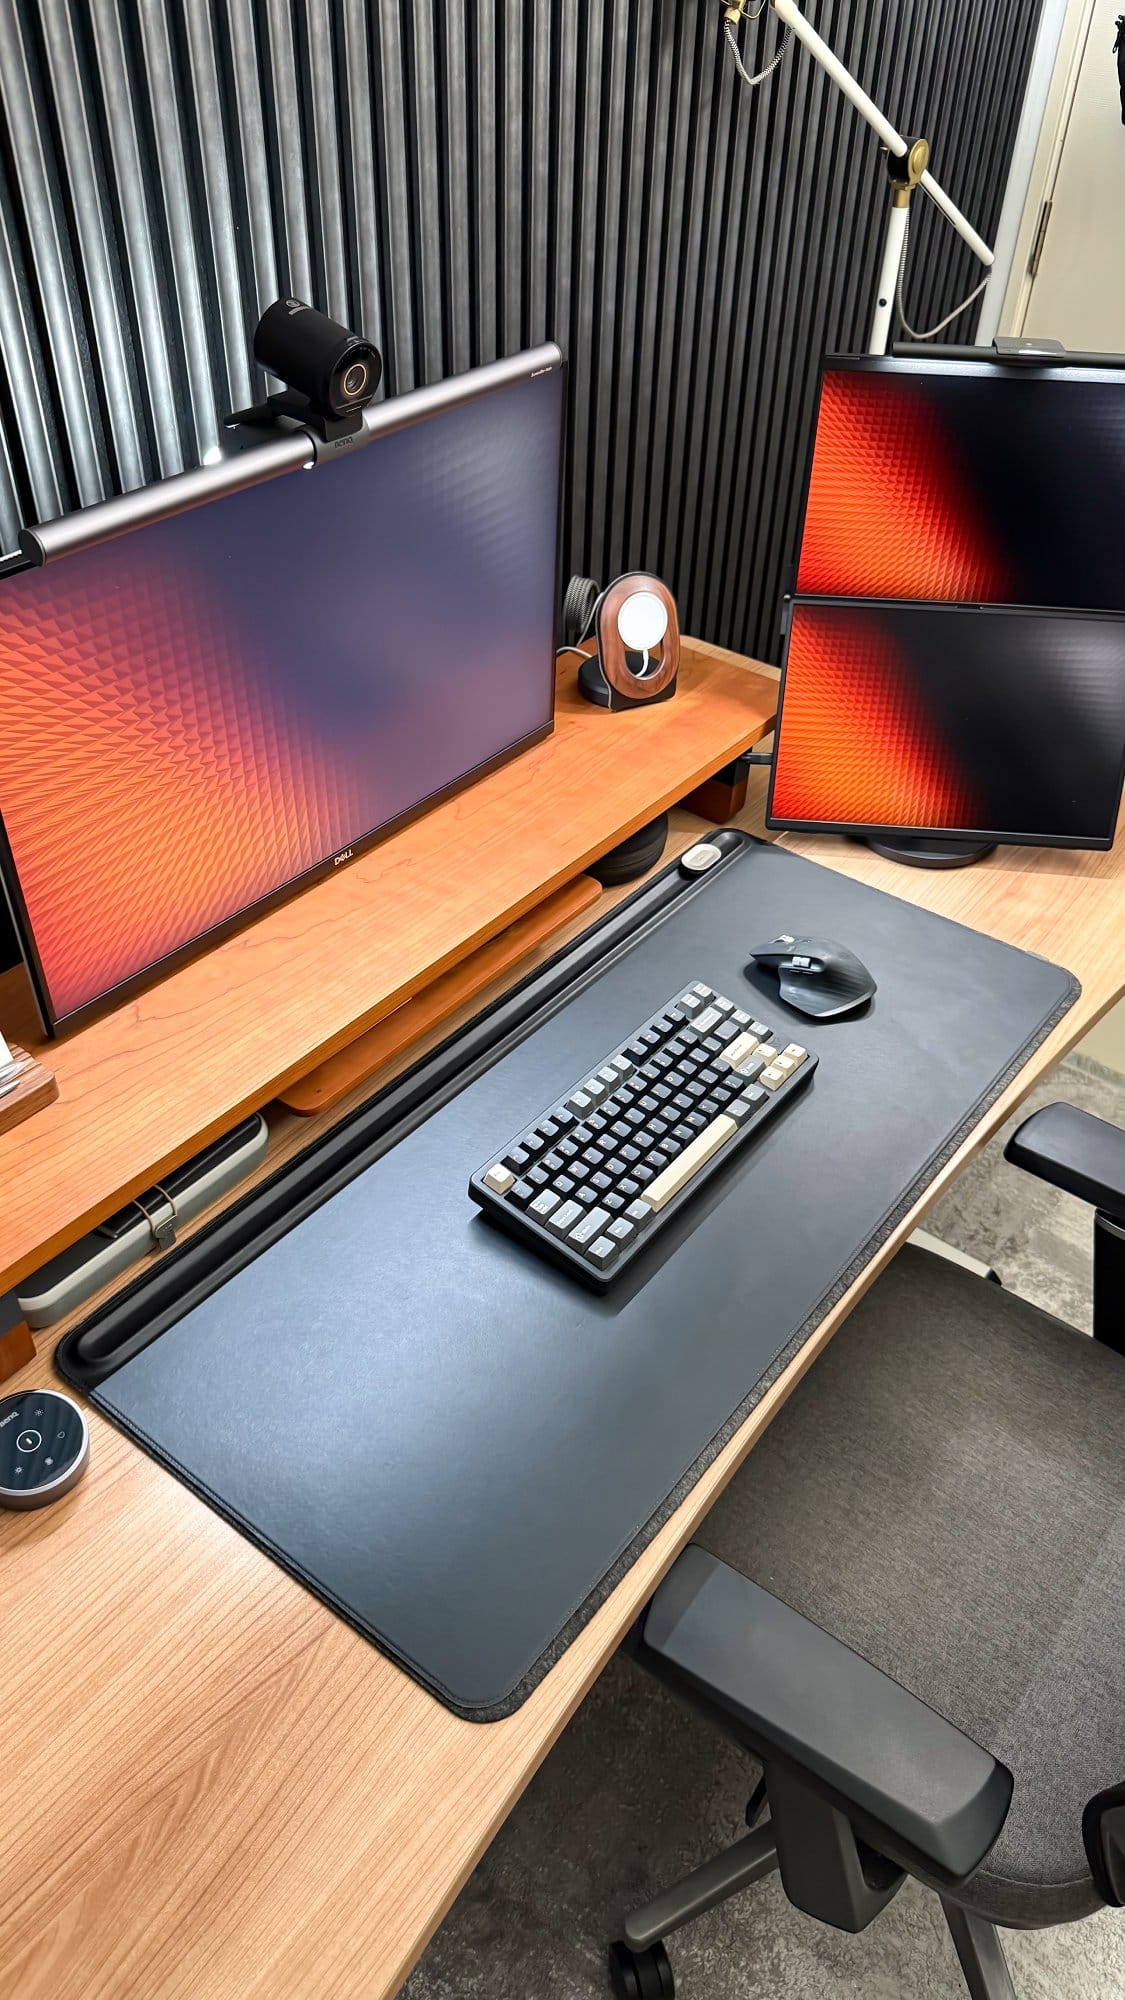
(44, 1447)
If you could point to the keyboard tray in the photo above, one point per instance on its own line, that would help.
(455, 1446)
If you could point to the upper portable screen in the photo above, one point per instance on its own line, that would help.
(967, 482)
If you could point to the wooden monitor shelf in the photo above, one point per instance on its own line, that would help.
(145, 1086)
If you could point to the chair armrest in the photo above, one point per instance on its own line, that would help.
(1076, 1151)
(794, 1694)
(1103, 1831)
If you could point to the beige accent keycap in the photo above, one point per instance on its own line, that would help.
(499, 1179)
(738, 1050)
(765, 1053)
(785, 1064)
(660, 1191)
(771, 1077)
(797, 1054)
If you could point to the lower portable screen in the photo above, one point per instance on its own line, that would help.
(203, 710)
(921, 717)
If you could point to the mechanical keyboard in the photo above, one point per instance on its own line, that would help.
(599, 1173)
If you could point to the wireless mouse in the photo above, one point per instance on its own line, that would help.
(817, 976)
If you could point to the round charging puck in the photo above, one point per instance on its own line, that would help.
(44, 1447)
(700, 858)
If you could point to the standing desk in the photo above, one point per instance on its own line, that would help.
(213, 1787)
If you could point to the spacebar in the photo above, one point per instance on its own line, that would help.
(660, 1191)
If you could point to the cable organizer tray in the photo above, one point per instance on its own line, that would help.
(458, 1448)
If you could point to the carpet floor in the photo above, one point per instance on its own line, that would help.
(638, 1791)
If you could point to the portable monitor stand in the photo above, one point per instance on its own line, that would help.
(928, 850)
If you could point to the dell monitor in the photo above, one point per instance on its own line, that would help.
(234, 698)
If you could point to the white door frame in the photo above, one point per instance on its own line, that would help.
(1064, 29)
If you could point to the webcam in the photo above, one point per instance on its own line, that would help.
(330, 373)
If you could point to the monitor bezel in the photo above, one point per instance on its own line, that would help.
(861, 829)
(244, 468)
(987, 368)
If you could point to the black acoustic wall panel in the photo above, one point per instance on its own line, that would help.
(461, 177)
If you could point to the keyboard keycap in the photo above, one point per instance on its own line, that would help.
(564, 1184)
(544, 1203)
(639, 1213)
(562, 1219)
(521, 1194)
(603, 1253)
(689, 1163)
(538, 1176)
(760, 1029)
(709, 1019)
(590, 1226)
(517, 1158)
(622, 1229)
(499, 1178)
(613, 1201)
(580, 1101)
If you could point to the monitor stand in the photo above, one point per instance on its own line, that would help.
(921, 850)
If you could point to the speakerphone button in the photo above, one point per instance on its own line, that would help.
(28, 1441)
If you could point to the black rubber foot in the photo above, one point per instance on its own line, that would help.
(641, 1975)
(633, 857)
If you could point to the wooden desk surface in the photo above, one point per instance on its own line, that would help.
(213, 1788)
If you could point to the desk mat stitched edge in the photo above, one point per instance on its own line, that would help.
(647, 1530)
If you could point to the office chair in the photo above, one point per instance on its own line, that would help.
(909, 1606)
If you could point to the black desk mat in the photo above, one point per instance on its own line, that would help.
(453, 1444)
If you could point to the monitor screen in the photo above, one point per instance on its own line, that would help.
(203, 711)
(967, 482)
(925, 719)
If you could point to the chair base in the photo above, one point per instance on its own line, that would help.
(638, 1963)
(980, 1952)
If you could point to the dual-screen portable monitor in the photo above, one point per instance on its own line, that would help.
(229, 700)
(955, 657)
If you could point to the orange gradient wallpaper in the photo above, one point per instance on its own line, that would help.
(890, 513)
(861, 744)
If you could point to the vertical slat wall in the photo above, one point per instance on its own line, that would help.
(460, 178)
